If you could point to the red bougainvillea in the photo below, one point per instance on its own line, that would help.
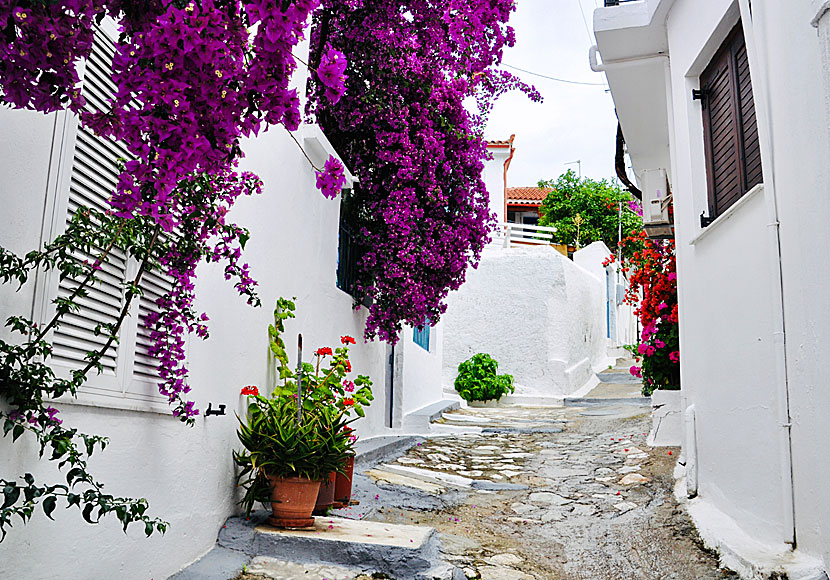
(652, 275)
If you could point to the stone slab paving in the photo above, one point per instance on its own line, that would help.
(513, 493)
(275, 569)
(588, 501)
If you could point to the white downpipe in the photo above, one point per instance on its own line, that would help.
(623, 62)
(761, 95)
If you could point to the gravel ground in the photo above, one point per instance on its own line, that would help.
(577, 519)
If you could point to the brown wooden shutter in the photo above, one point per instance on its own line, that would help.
(749, 126)
(733, 156)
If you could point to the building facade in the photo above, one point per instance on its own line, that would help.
(731, 99)
(187, 474)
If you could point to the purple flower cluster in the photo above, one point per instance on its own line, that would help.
(402, 128)
(203, 233)
(636, 207)
(40, 47)
(331, 71)
(331, 180)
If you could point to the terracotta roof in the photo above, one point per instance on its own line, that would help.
(527, 194)
(501, 143)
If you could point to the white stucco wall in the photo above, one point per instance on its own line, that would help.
(187, 473)
(494, 180)
(726, 326)
(421, 369)
(729, 275)
(538, 314)
(799, 105)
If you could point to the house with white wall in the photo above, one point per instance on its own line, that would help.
(550, 321)
(50, 166)
(731, 98)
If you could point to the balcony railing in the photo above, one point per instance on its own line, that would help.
(512, 234)
(616, 2)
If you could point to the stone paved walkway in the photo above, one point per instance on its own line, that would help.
(519, 493)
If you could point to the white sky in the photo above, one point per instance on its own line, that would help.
(574, 121)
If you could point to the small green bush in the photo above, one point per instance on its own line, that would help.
(477, 379)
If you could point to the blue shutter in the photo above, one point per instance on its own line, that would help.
(421, 336)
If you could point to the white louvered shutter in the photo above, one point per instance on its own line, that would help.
(92, 181)
(129, 372)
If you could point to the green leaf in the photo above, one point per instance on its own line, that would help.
(74, 473)
(87, 513)
(17, 432)
(49, 506)
(10, 495)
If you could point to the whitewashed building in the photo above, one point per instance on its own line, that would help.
(550, 321)
(732, 99)
(187, 474)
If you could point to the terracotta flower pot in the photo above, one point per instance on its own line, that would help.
(325, 497)
(292, 501)
(343, 485)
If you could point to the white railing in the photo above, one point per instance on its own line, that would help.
(510, 234)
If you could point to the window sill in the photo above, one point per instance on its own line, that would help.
(703, 232)
(117, 401)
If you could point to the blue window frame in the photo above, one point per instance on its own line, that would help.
(421, 336)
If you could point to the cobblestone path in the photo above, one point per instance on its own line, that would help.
(544, 493)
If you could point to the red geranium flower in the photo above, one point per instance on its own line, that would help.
(323, 351)
(250, 390)
(348, 367)
(348, 402)
(347, 340)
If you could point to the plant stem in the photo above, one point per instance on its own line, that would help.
(301, 149)
(99, 260)
(126, 307)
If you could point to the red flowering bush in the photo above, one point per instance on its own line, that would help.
(322, 385)
(652, 276)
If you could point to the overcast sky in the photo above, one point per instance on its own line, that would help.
(574, 122)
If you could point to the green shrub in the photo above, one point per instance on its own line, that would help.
(477, 379)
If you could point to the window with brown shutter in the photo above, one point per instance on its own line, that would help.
(733, 156)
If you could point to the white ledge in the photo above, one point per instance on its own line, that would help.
(703, 232)
(821, 11)
(318, 148)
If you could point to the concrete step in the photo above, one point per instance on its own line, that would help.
(404, 551)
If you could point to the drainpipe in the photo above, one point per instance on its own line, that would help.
(506, 167)
(758, 54)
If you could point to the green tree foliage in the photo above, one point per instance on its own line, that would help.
(584, 210)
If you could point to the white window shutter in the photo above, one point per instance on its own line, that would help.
(129, 371)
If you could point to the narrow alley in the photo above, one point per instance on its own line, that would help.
(523, 493)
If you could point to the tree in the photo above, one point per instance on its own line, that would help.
(584, 210)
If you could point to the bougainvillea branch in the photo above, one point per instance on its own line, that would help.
(189, 85)
(420, 210)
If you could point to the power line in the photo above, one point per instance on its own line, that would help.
(553, 78)
(585, 21)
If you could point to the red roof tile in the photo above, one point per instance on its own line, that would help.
(526, 194)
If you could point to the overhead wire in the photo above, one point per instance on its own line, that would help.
(585, 21)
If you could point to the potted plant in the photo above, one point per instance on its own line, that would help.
(301, 431)
(328, 385)
(286, 455)
(478, 383)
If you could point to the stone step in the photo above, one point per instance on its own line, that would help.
(403, 551)
(614, 401)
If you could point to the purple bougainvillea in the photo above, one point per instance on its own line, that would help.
(331, 180)
(421, 208)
